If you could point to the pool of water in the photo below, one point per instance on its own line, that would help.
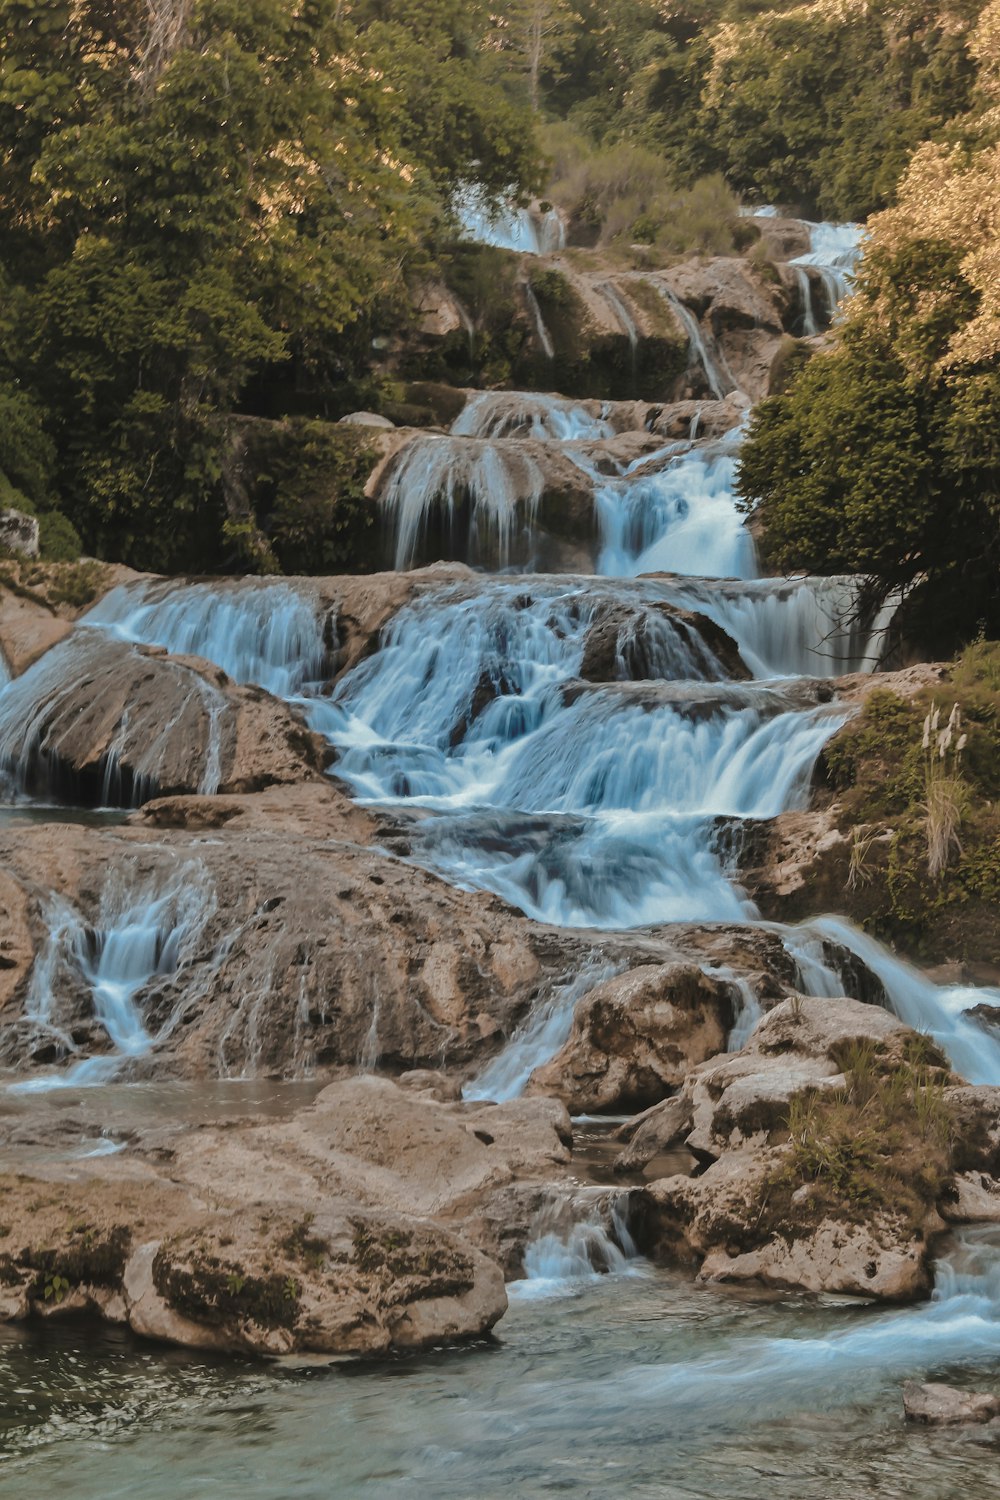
(627, 1386)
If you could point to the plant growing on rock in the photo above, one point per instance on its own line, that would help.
(946, 793)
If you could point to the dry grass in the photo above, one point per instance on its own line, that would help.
(946, 794)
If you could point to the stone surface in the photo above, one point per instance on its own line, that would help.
(635, 1038)
(946, 1406)
(340, 1229)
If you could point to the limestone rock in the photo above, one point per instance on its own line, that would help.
(109, 723)
(945, 1406)
(635, 1038)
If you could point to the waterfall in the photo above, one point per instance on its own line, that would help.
(683, 519)
(700, 355)
(576, 1238)
(146, 928)
(527, 414)
(43, 707)
(802, 280)
(834, 252)
(940, 1010)
(507, 227)
(541, 332)
(261, 633)
(477, 498)
(539, 1038)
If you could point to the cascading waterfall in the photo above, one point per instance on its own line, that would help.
(261, 633)
(541, 332)
(683, 519)
(528, 414)
(474, 497)
(834, 252)
(576, 1238)
(701, 356)
(146, 928)
(506, 227)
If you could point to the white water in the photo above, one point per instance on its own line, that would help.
(146, 928)
(576, 1239)
(834, 252)
(262, 633)
(508, 228)
(541, 332)
(529, 414)
(481, 496)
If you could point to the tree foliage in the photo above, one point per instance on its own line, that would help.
(211, 206)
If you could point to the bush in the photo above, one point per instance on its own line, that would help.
(58, 538)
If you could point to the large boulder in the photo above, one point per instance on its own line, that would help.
(108, 723)
(636, 1037)
(18, 533)
(332, 1231)
(937, 1405)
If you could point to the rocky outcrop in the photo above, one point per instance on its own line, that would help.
(102, 722)
(626, 642)
(828, 1144)
(335, 1231)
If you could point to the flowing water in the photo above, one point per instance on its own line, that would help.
(577, 744)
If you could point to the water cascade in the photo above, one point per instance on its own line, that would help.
(702, 354)
(146, 928)
(834, 252)
(505, 414)
(541, 332)
(461, 498)
(261, 633)
(506, 227)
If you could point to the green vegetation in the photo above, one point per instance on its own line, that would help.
(209, 209)
(883, 457)
(881, 1143)
(922, 863)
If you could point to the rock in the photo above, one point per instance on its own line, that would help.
(709, 419)
(17, 948)
(338, 1230)
(976, 1200)
(105, 722)
(635, 1037)
(28, 628)
(369, 419)
(946, 1406)
(19, 533)
(637, 642)
(655, 1130)
(763, 1211)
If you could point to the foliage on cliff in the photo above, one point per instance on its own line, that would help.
(209, 206)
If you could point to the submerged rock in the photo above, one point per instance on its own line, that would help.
(945, 1406)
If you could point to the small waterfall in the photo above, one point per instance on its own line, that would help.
(622, 313)
(683, 519)
(541, 332)
(940, 1010)
(701, 354)
(575, 1240)
(43, 708)
(539, 1038)
(261, 633)
(802, 280)
(804, 627)
(146, 928)
(527, 414)
(834, 252)
(506, 227)
(476, 499)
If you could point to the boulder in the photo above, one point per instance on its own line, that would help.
(28, 628)
(635, 1037)
(339, 1230)
(946, 1406)
(107, 723)
(368, 419)
(640, 641)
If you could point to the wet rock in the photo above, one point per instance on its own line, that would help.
(635, 1038)
(976, 1199)
(639, 642)
(653, 1131)
(102, 722)
(946, 1406)
(340, 1230)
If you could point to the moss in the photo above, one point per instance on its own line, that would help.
(425, 1266)
(87, 1256)
(209, 1290)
